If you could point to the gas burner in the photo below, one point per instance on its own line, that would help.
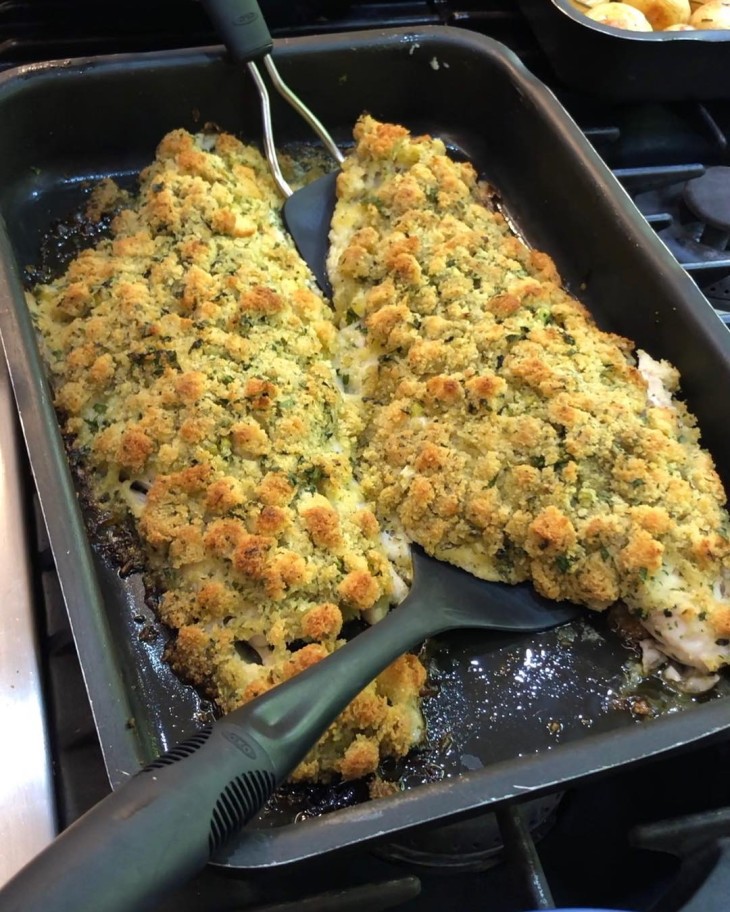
(697, 235)
(708, 198)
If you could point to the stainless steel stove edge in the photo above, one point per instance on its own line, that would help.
(27, 808)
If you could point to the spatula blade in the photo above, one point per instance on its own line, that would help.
(464, 600)
(307, 216)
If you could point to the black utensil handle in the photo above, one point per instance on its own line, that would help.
(162, 827)
(703, 882)
(153, 833)
(241, 26)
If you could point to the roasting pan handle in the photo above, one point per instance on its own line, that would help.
(241, 25)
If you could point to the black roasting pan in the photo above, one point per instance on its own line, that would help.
(509, 717)
(621, 65)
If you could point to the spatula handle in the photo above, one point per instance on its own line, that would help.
(153, 833)
(241, 26)
(160, 829)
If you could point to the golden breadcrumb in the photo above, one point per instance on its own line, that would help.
(191, 358)
(505, 432)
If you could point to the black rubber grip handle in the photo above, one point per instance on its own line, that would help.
(155, 832)
(703, 882)
(161, 828)
(241, 26)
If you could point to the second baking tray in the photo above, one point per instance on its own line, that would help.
(509, 717)
(622, 65)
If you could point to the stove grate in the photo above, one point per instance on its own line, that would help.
(657, 152)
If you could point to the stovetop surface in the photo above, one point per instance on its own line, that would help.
(585, 846)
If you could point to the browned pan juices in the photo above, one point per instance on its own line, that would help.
(507, 717)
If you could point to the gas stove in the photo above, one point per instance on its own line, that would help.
(615, 843)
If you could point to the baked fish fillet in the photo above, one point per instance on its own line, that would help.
(504, 431)
(191, 359)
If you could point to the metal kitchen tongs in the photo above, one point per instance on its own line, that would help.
(307, 212)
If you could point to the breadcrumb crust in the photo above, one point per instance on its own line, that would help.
(191, 358)
(193, 362)
(504, 431)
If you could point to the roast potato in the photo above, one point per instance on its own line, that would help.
(620, 15)
(715, 14)
(663, 13)
(658, 15)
